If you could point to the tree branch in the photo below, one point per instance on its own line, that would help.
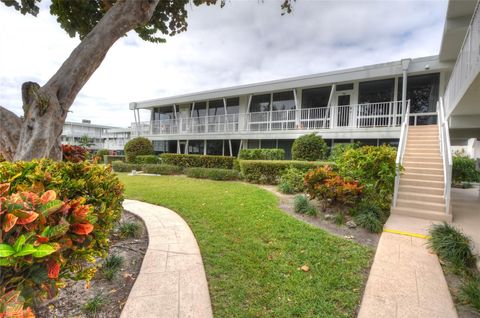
(10, 128)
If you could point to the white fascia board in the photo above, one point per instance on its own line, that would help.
(88, 125)
(371, 72)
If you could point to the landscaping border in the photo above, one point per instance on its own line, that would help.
(172, 280)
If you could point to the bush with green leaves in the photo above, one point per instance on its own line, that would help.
(147, 159)
(129, 229)
(370, 216)
(161, 169)
(464, 170)
(291, 181)
(201, 161)
(120, 166)
(111, 266)
(375, 168)
(262, 154)
(212, 173)
(111, 158)
(470, 292)
(270, 171)
(102, 152)
(136, 147)
(309, 148)
(339, 149)
(94, 305)
(302, 205)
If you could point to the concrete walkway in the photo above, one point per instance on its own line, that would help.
(172, 281)
(406, 280)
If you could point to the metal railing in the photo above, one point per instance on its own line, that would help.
(446, 152)
(467, 65)
(400, 152)
(385, 114)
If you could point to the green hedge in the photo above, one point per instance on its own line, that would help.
(161, 169)
(464, 170)
(212, 173)
(120, 166)
(147, 159)
(111, 158)
(269, 171)
(262, 154)
(188, 161)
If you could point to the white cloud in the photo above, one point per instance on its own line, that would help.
(245, 42)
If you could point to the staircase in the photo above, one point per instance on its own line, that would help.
(421, 188)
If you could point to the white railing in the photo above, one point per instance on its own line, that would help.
(386, 114)
(467, 65)
(446, 152)
(400, 152)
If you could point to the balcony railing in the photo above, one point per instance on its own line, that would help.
(467, 65)
(386, 114)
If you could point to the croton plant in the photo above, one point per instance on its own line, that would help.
(56, 219)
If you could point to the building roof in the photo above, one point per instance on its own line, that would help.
(89, 125)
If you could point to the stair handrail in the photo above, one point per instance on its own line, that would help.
(446, 152)
(400, 151)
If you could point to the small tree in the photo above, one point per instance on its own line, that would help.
(310, 148)
(137, 147)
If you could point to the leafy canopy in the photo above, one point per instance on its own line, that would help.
(81, 16)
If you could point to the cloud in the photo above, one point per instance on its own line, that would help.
(245, 42)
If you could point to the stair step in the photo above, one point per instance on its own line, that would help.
(420, 136)
(404, 180)
(423, 176)
(421, 205)
(420, 143)
(432, 159)
(431, 171)
(423, 214)
(422, 152)
(418, 196)
(417, 164)
(420, 189)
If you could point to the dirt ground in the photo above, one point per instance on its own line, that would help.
(71, 300)
(357, 234)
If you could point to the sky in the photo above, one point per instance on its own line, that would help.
(245, 42)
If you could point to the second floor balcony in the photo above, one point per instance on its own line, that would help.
(370, 115)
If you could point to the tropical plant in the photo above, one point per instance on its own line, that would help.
(370, 216)
(464, 170)
(85, 141)
(129, 229)
(309, 148)
(302, 205)
(291, 181)
(12, 305)
(74, 153)
(137, 147)
(339, 149)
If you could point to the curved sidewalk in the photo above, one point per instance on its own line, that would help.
(172, 281)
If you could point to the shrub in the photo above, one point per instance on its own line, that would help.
(137, 147)
(12, 304)
(291, 181)
(470, 292)
(370, 216)
(464, 170)
(375, 168)
(75, 228)
(302, 205)
(94, 305)
(262, 154)
(326, 185)
(451, 245)
(74, 153)
(161, 169)
(212, 173)
(309, 148)
(120, 166)
(339, 149)
(269, 171)
(111, 266)
(188, 161)
(147, 159)
(102, 152)
(111, 158)
(129, 229)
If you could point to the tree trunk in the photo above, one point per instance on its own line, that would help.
(37, 135)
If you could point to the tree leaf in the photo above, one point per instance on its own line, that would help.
(19, 243)
(26, 250)
(4, 187)
(51, 207)
(44, 250)
(32, 217)
(6, 250)
(9, 221)
(6, 261)
(48, 196)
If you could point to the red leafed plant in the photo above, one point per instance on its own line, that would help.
(42, 238)
(326, 185)
(74, 153)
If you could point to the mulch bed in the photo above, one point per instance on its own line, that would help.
(71, 300)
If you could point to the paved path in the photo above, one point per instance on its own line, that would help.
(406, 280)
(172, 280)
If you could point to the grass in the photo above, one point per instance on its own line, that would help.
(252, 251)
(112, 266)
(129, 229)
(94, 305)
(302, 205)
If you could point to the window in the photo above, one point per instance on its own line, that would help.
(344, 87)
(199, 109)
(269, 143)
(216, 107)
(195, 147)
(376, 91)
(283, 101)
(214, 147)
(316, 97)
(233, 105)
(260, 103)
(253, 144)
(286, 145)
(422, 90)
(163, 113)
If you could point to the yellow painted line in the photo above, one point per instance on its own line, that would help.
(407, 234)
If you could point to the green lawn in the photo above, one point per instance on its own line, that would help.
(252, 251)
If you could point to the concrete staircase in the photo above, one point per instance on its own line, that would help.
(421, 183)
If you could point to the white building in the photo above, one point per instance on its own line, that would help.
(99, 136)
(372, 104)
